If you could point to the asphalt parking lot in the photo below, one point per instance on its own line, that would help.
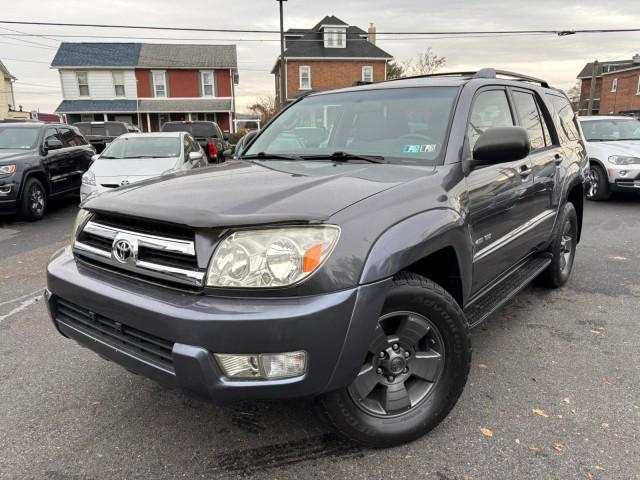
(555, 384)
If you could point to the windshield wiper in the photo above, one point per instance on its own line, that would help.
(271, 156)
(345, 157)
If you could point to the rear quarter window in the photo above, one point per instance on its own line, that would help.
(565, 115)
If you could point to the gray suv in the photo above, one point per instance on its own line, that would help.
(346, 255)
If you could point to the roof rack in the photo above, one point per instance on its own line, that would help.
(484, 73)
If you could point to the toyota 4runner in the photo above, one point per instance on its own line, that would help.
(345, 255)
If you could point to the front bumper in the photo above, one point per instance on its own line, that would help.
(335, 330)
(624, 178)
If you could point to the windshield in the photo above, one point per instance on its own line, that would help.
(197, 130)
(607, 130)
(142, 147)
(18, 138)
(403, 125)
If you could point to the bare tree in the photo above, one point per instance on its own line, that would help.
(574, 92)
(265, 108)
(423, 64)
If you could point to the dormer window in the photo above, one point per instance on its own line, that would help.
(335, 37)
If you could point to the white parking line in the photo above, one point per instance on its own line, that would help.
(25, 304)
(22, 297)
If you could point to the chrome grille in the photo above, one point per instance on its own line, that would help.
(129, 249)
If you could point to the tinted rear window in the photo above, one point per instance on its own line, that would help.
(109, 129)
(195, 129)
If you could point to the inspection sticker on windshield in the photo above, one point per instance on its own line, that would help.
(430, 148)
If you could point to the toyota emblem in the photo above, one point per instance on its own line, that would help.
(123, 250)
(124, 182)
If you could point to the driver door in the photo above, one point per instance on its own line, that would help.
(499, 195)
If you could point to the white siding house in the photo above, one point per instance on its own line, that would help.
(101, 83)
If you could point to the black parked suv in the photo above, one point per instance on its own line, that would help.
(350, 267)
(100, 134)
(207, 134)
(38, 162)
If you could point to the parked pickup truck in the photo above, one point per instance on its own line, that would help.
(101, 134)
(207, 134)
(351, 269)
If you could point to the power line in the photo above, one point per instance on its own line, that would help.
(239, 30)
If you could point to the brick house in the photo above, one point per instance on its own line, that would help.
(617, 88)
(147, 84)
(332, 54)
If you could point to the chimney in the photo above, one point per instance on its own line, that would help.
(372, 33)
(636, 59)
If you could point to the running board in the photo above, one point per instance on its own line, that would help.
(508, 288)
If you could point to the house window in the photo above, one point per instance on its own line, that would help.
(118, 84)
(159, 83)
(83, 83)
(367, 74)
(335, 37)
(305, 78)
(614, 85)
(208, 84)
(638, 90)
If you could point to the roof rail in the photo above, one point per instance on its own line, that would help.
(483, 73)
(492, 73)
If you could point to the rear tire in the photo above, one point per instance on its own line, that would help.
(563, 248)
(414, 372)
(34, 200)
(598, 183)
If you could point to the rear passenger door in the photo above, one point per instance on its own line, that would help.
(545, 158)
(56, 162)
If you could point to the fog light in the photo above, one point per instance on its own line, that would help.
(5, 189)
(623, 173)
(265, 366)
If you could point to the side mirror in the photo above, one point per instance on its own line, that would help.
(228, 152)
(52, 143)
(94, 157)
(193, 156)
(501, 144)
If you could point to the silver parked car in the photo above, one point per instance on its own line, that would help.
(613, 145)
(138, 156)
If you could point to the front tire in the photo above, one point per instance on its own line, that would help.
(34, 200)
(563, 249)
(598, 183)
(414, 372)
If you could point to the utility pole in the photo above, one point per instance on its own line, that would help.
(592, 89)
(283, 71)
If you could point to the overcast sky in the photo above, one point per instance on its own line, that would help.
(557, 59)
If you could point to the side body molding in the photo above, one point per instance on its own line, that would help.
(414, 238)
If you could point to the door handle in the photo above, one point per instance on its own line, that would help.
(557, 159)
(524, 171)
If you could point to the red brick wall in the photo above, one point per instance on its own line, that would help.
(626, 97)
(184, 83)
(143, 78)
(585, 87)
(328, 74)
(223, 83)
(223, 121)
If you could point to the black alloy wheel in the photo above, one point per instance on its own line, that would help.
(403, 365)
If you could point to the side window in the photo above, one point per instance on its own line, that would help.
(188, 148)
(50, 133)
(529, 117)
(195, 147)
(68, 137)
(490, 109)
(566, 116)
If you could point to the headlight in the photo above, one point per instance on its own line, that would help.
(623, 160)
(7, 169)
(80, 220)
(269, 258)
(89, 178)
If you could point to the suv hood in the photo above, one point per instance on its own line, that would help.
(14, 154)
(604, 150)
(247, 193)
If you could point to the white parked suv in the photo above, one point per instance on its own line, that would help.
(613, 146)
